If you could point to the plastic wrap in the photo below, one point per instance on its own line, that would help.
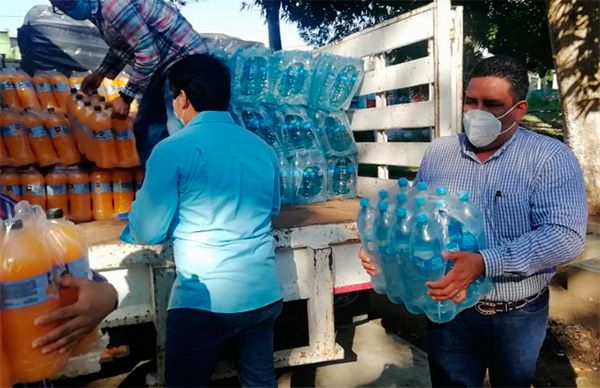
(29, 290)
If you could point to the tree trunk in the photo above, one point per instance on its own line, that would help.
(574, 37)
(272, 10)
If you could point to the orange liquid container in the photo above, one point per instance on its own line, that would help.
(104, 150)
(75, 107)
(63, 140)
(85, 117)
(122, 190)
(43, 88)
(15, 138)
(125, 141)
(34, 187)
(5, 159)
(10, 183)
(26, 90)
(80, 205)
(5, 378)
(60, 90)
(28, 293)
(56, 191)
(101, 188)
(8, 90)
(39, 140)
(76, 79)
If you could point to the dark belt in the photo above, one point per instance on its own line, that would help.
(487, 307)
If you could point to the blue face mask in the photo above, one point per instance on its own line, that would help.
(81, 11)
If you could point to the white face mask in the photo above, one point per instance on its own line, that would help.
(180, 118)
(482, 127)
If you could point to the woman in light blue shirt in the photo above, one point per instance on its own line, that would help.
(213, 188)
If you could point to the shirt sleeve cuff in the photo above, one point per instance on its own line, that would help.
(492, 260)
(107, 72)
(126, 236)
(132, 90)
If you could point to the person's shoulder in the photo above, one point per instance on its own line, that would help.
(445, 143)
(542, 143)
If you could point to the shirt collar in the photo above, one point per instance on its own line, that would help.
(212, 117)
(468, 150)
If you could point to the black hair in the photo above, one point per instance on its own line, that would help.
(205, 80)
(508, 68)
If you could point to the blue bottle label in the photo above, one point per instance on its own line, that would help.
(78, 188)
(34, 189)
(37, 132)
(60, 87)
(24, 85)
(103, 134)
(60, 130)
(11, 190)
(122, 187)
(7, 86)
(43, 87)
(79, 269)
(27, 292)
(10, 130)
(124, 135)
(56, 189)
(101, 187)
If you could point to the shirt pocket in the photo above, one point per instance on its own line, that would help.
(511, 213)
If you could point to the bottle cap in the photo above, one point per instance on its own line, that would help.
(383, 206)
(73, 90)
(55, 213)
(13, 223)
(364, 202)
(401, 197)
(420, 201)
(422, 218)
(50, 110)
(464, 196)
(422, 186)
(98, 108)
(403, 182)
(441, 190)
(401, 212)
(383, 194)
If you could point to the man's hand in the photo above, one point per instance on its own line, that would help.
(96, 301)
(368, 264)
(91, 82)
(120, 109)
(467, 267)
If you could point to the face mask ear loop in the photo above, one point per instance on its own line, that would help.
(508, 111)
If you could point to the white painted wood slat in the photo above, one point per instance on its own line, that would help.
(368, 187)
(414, 115)
(392, 154)
(399, 32)
(403, 75)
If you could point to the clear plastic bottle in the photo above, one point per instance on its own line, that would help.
(297, 130)
(286, 183)
(336, 136)
(365, 222)
(342, 176)
(250, 75)
(310, 177)
(400, 240)
(290, 77)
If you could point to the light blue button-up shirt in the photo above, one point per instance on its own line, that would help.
(532, 195)
(212, 188)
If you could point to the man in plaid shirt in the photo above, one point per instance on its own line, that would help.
(150, 36)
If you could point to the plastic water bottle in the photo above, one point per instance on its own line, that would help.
(250, 75)
(383, 195)
(297, 130)
(401, 199)
(403, 185)
(286, 184)
(310, 177)
(257, 119)
(426, 263)
(365, 222)
(341, 177)
(400, 240)
(335, 81)
(473, 238)
(291, 74)
(337, 138)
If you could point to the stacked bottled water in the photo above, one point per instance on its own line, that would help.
(296, 104)
(405, 232)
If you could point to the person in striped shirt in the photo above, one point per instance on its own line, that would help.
(150, 36)
(531, 191)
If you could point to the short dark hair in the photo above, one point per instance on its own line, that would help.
(205, 80)
(508, 68)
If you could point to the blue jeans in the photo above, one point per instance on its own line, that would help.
(155, 119)
(195, 339)
(508, 344)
